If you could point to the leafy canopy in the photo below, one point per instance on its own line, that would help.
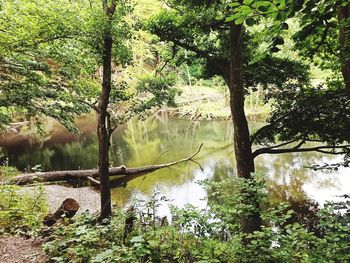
(202, 28)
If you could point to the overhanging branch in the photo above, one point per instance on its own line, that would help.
(285, 144)
(322, 149)
(220, 64)
(254, 137)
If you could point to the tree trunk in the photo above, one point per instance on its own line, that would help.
(126, 174)
(68, 209)
(344, 42)
(103, 132)
(243, 150)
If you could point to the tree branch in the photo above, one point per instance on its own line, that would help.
(283, 144)
(254, 136)
(298, 149)
(166, 62)
(91, 105)
(124, 174)
(220, 64)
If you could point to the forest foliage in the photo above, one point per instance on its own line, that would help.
(210, 235)
(53, 60)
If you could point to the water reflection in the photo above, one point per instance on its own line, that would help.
(162, 139)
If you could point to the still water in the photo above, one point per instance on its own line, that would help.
(161, 139)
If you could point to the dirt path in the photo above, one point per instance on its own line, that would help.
(20, 250)
(88, 199)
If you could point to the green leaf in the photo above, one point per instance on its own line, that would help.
(262, 3)
(239, 20)
(137, 239)
(233, 17)
(235, 4)
(248, 2)
(263, 9)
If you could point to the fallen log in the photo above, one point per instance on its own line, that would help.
(124, 174)
(68, 209)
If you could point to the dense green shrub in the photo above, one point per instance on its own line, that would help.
(161, 88)
(7, 172)
(22, 210)
(210, 235)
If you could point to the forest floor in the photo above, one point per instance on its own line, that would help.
(20, 250)
(15, 249)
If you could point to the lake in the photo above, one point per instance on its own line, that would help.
(161, 139)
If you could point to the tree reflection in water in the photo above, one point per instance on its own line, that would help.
(162, 139)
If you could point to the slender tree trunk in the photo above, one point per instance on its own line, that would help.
(243, 150)
(102, 119)
(344, 42)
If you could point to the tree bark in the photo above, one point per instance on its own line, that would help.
(68, 209)
(242, 145)
(344, 42)
(243, 151)
(103, 132)
(126, 174)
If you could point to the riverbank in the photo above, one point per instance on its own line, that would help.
(212, 103)
(190, 235)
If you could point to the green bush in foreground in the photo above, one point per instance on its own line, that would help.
(21, 210)
(7, 172)
(211, 235)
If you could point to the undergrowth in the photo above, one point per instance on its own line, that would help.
(22, 210)
(209, 235)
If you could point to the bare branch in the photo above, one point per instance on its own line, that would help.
(283, 144)
(124, 174)
(309, 149)
(299, 144)
(167, 61)
(200, 166)
(331, 152)
(93, 180)
(91, 105)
